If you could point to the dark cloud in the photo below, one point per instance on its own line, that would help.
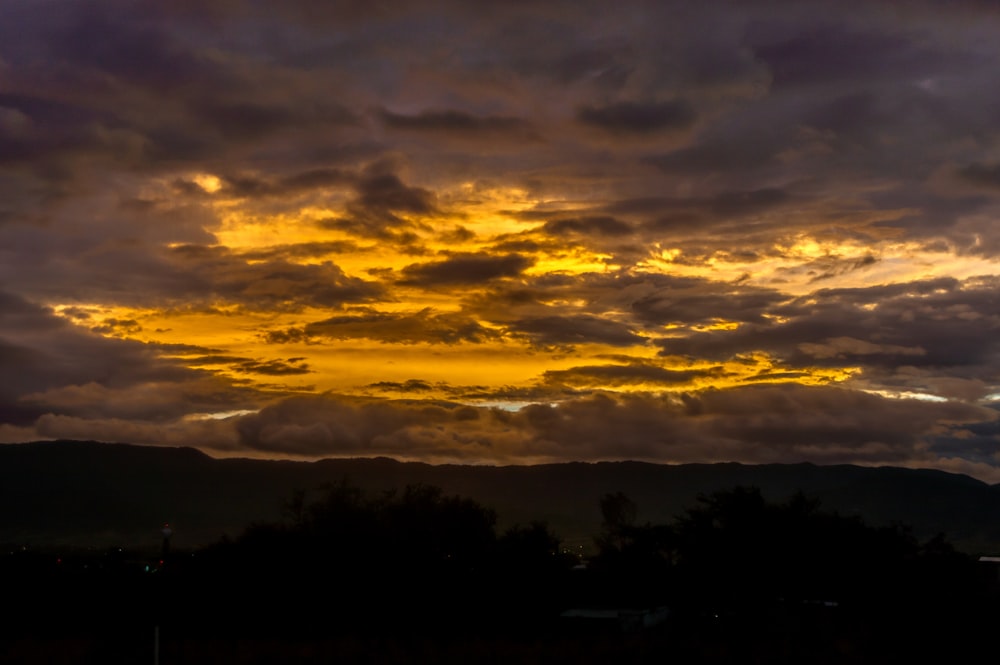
(50, 365)
(638, 117)
(208, 273)
(831, 52)
(692, 212)
(452, 121)
(409, 386)
(189, 275)
(331, 426)
(940, 326)
(694, 303)
(841, 420)
(303, 250)
(729, 204)
(257, 187)
(386, 193)
(384, 206)
(289, 367)
(122, 44)
(622, 375)
(113, 326)
(244, 120)
(425, 326)
(740, 154)
(984, 175)
(465, 269)
(600, 226)
(621, 301)
(253, 121)
(286, 336)
(642, 141)
(827, 268)
(35, 129)
(753, 424)
(579, 329)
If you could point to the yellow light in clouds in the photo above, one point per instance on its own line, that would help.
(208, 182)
(575, 262)
(490, 210)
(245, 230)
(717, 324)
(488, 365)
(807, 264)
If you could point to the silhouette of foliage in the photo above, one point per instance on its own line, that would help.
(426, 555)
(734, 549)
(416, 575)
(531, 550)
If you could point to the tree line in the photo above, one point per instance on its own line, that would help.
(417, 561)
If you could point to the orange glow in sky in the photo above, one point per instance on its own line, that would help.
(508, 245)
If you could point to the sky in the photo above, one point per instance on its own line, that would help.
(504, 232)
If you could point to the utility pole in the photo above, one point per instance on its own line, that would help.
(164, 553)
(167, 532)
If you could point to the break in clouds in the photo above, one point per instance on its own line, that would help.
(504, 233)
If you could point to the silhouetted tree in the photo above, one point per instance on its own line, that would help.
(633, 561)
(734, 547)
(530, 550)
(416, 551)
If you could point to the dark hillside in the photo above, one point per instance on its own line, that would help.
(93, 494)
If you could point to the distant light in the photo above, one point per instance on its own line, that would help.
(906, 394)
(219, 415)
(505, 405)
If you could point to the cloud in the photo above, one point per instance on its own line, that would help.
(250, 121)
(941, 327)
(695, 303)
(764, 192)
(841, 347)
(385, 193)
(465, 269)
(411, 385)
(606, 376)
(250, 186)
(197, 273)
(297, 252)
(328, 425)
(585, 226)
(753, 424)
(658, 214)
(425, 326)
(210, 433)
(52, 366)
(383, 205)
(579, 329)
(639, 118)
(984, 175)
(455, 123)
(149, 401)
(291, 366)
(806, 56)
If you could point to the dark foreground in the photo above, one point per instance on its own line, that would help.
(141, 620)
(793, 640)
(419, 577)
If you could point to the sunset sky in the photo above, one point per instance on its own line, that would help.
(504, 232)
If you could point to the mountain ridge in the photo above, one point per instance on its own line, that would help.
(93, 494)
